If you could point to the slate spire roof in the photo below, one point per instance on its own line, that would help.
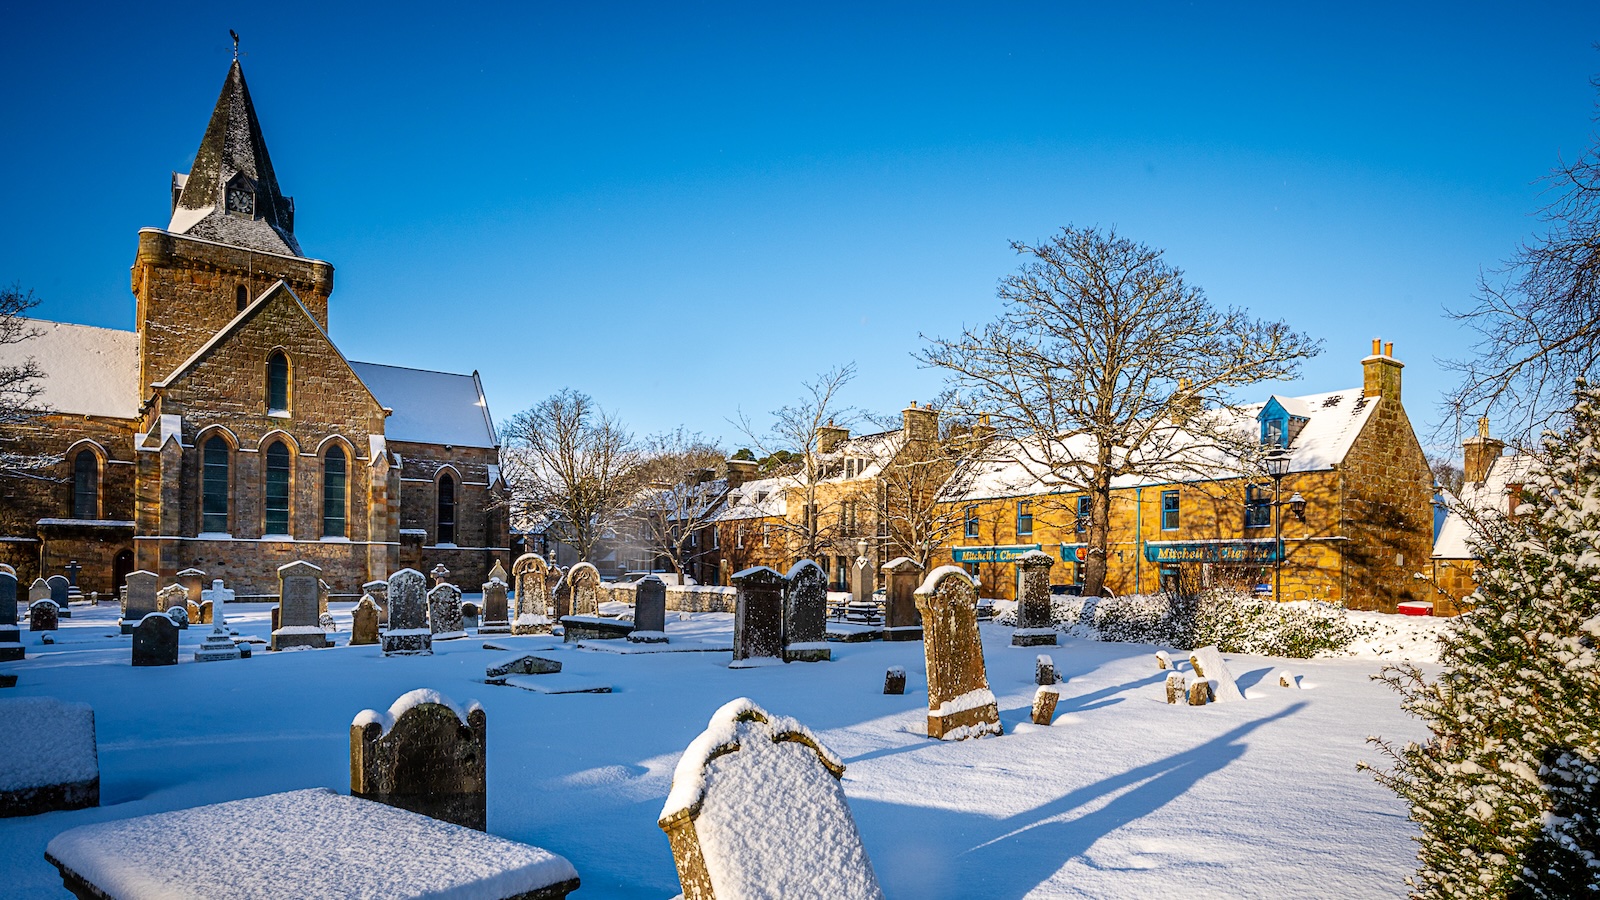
(232, 163)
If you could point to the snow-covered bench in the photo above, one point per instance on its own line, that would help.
(306, 844)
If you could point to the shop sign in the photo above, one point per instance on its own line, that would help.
(1006, 553)
(1261, 551)
(1077, 553)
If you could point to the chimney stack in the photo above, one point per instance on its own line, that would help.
(741, 471)
(1479, 453)
(919, 423)
(1381, 372)
(830, 436)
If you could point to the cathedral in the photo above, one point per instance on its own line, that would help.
(226, 432)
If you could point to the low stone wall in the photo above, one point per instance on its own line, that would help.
(695, 598)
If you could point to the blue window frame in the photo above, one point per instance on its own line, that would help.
(1169, 510)
(1024, 517)
(1085, 513)
(971, 522)
(1257, 505)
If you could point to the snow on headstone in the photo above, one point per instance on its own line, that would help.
(1044, 704)
(805, 614)
(1177, 692)
(531, 578)
(1200, 692)
(496, 615)
(1163, 661)
(138, 598)
(1034, 625)
(194, 582)
(37, 591)
(218, 645)
(757, 617)
(756, 811)
(43, 615)
(902, 619)
(408, 633)
(562, 595)
(586, 592)
(179, 616)
(960, 704)
(425, 754)
(170, 596)
(11, 648)
(364, 622)
(1208, 664)
(894, 680)
(498, 572)
(61, 592)
(444, 612)
(649, 611)
(379, 592)
(50, 757)
(528, 664)
(1044, 669)
(1288, 680)
(299, 607)
(155, 641)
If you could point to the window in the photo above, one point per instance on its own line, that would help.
(86, 485)
(1169, 510)
(214, 486)
(766, 535)
(277, 382)
(738, 537)
(972, 569)
(1257, 505)
(241, 298)
(1024, 517)
(333, 480)
(278, 471)
(1085, 513)
(447, 510)
(1272, 433)
(971, 522)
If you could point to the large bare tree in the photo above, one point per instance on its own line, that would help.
(1103, 363)
(20, 387)
(679, 495)
(569, 461)
(911, 515)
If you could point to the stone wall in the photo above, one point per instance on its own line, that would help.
(685, 598)
(483, 522)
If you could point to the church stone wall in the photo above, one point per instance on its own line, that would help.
(482, 518)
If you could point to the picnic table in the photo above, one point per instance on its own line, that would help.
(311, 844)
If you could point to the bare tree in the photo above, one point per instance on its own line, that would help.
(912, 519)
(679, 496)
(570, 461)
(1537, 316)
(1104, 363)
(20, 387)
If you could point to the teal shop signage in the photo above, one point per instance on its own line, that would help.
(1258, 551)
(1007, 553)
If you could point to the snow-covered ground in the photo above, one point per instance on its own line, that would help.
(1123, 797)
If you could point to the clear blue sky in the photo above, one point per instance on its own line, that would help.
(685, 210)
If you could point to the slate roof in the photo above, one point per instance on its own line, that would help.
(430, 407)
(89, 371)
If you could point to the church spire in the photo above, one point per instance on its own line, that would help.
(231, 194)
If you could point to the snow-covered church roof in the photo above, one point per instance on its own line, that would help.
(430, 407)
(89, 371)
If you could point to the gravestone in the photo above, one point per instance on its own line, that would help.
(444, 612)
(194, 583)
(498, 573)
(408, 632)
(11, 648)
(585, 582)
(216, 595)
(757, 617)
(1035, 627)
(174, 595)
(51, 758)
(155, 641)
(193, 611)
(1285, 679)
(1176, 689)
(960, 704)
(894, 680)
(805, 614)
(649, 611)
(496, 673)
(1044, 669)
(179, 617)
(379, 592)
(1163, 661)
(423, 755)
(563, 596)
(533, 593)
(469, 614)
(299, 616)
(364, 622)
(496, 615)
(323, 590)
(1208, 664)
(72, 569)
(44, 615)
(902, 620)
(39, 590)
(1200, 692)
(138, 598)
(862, 579)
(61, 592)
(757, 812)
(218, 645)
(440, 574)
(1044, 704)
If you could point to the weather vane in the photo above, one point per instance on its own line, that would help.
(235, 35)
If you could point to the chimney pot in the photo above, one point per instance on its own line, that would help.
(1377, 346)
(1388, 349)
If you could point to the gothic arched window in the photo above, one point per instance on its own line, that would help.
(86, 485)
(214, 486)
(241, 298)
(447, 510)
(278, 472)
(333, 496)
(277, 382)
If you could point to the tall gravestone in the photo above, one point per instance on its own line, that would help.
(496, 615)
(155, 641)
(43, 615)
(585, 581)
(649, 611)
(364, 622)
(805, 614)
(444, 612)
(408, 632)
(960, 704)
(138, 598)
(39, 590)
(61, 592)
(533, 593)
(757, 617)
(563, 596)
(194, 582)
(11, 648)
(299, 616)
(1035, 627)
(379, 592)
(902, 621)
(424, 756)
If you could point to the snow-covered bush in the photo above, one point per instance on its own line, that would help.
(1521, 679)
(1564, 860)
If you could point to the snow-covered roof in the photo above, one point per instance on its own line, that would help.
(430, 407)
(757, 499)
(88, 371)
(874, 450)
(1487, 497)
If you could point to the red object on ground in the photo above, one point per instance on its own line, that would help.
(1416, 608)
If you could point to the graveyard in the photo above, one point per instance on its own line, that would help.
(1112, 792)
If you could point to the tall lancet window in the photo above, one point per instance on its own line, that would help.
(277, 382)
(278, 472)
(214, 486)
(447, 510)
(333, 486)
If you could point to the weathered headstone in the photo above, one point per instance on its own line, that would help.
(496, 615)
(1044, 669)
(1176, 689)
(470, 613)
(1208, 664)
(756, 812)
(960, 704)
(757, 617)
(440, 574)
(498, 572)
(805, 614)
(408, 632)
(585, 582)
(11, 648)
(155, 641)
(649, 611)
(1035, 627)
(1044, 704)
(193, 611)
(39, 590)
(902, 619)
(44, 615)
(323, 591)
(444, 612)
(61, 593)
(50, 756)
(379, 592)
(1163, 661)
(563, 596)
(194, 583)
(1200, 692)
(424, 755)
(138, 598)
(218, 645)
(364, 622)
(894, 680)
(299, 616)
(1285, 679)
(496, 673)
(174, 595)
(533, 592)
(179, 617)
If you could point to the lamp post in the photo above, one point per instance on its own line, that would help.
(1277, 463)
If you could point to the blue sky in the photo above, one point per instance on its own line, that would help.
(688, 210)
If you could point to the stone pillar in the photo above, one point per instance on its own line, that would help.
(960, 704)
(902, 619)
(757, 617)
(1035, 627)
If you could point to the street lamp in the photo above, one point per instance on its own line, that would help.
(1277, 463)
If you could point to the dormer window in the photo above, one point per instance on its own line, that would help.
(242, 201)
(1272, 433)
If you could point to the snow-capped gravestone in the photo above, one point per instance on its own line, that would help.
(1208, 664)
(61, 592)
(649, 611)
(902, 619)
(364, 622)
(1044, 704)
(43, 615)
(138, 598)
(496, 615)
(444, 613)
(11, 648)
(894, 680)
(498, 572)
(425, 754)
(585, 582)
(960, 704)
(1177, 691)
(218, 645)
(533, 591)
(379, 592)
(299, 619)
(1034, 625)
(563, 596)
(757, 617)
(194, 584)
(179, 617)
(174, 596)
(155, 641)
(408, 632)
(756, 811)
(440, 575)
(50, 758)
(805, 614)
(496, 673)
(1044, 669)
(37, 591)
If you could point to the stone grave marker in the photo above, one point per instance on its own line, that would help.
(72, 569)
(649, 611)
(902, 619)
(1200, 692)
(498, 572)
(1163, 661)
(174, 596)
(496, 673)
(299, 614)
(323, 590)
(756, 811)
(138, 598)
(533, 592)
(444, 612)
(61, 592)
(1285, 679)
(1044, 704)
(379, 592)
(441, 575)
(424, 755)
(179, 616)
(364, 622)
(218, 645)
(805, 614)
(470, 614)
(563, 596)
(757, 617)
(1176, 689)
(1044, 669)
(894, 680)
(1208, 664)
(960, 704)
(44, 615)
(1035, 628)
(194, 583)
(155, 641)
(408, 632)
(496, 615)
(193, 612)
(11, 648)
(67, 776)
(585, 582)
(39, 590)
